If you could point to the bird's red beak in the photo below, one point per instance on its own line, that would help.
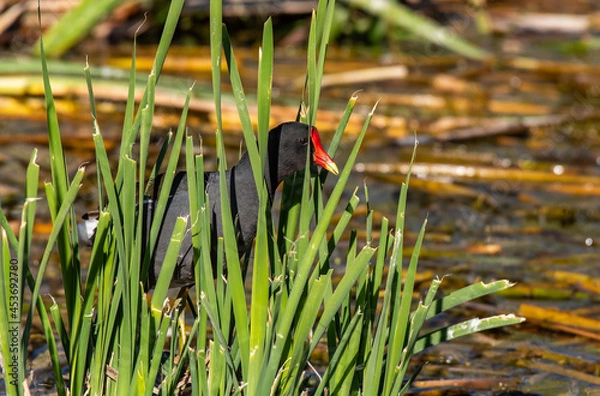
(320, 156)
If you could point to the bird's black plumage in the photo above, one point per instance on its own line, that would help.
(287, 150)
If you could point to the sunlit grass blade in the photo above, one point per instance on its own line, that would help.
(21, 268)
(311, 70)
(28, 218)
(395, 374)
(216, 49)
(186, 350)
(259, 313)
(235, 282)
(324, 20)
(339, 133)
(199, 383)
(129, 130)
(129, 265)
(264, 89)
(375, 361)
(166, 37)
(196, 202)
(10, 235)
(147, 115)
(467, 293)
(385, 244)
(401, 314)
(110, 188)
(259, 320)
(59, 325)
(144, 338)
(90, 87)
(157, 167)
(306, 318)
(131, 124)
(343, 380)
(243, 113)
(67, 247)
(340, 352)
(415, 325)
(138, 265)
(160, 202)
(155, 361)
(260, 295)
(99, 266)
(52, 349)
(64, 210)
(399, 301)
(465, 328)
(220, 343)
(168, 266)
(127, 201)
(200, 229)
(217, 372)
(306, 212)
(115, 203)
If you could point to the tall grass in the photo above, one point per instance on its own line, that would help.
(115, 336)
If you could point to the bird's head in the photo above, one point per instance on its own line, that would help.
(288, 145)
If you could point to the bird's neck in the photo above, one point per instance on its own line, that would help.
(243, 171)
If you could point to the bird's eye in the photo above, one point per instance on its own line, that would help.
(303, 141)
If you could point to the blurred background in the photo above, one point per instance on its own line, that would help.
(502, 96)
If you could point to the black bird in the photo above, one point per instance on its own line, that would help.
(287, 150)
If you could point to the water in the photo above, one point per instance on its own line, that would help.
(520, 204)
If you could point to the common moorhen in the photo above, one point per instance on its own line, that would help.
(287, 149)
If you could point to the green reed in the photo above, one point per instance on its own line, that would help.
(119, 340)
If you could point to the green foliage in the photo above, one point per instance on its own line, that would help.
(75, 24)
(115, 338)
(387, 17)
